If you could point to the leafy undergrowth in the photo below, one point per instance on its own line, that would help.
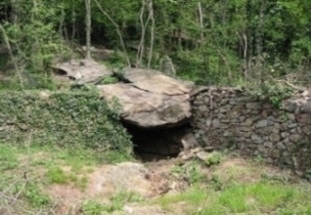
(231, 185)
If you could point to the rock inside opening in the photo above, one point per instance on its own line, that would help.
(151, 144)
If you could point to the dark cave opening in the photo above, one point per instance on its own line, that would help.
(152, 144)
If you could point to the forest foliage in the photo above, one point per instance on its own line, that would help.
(211, 42)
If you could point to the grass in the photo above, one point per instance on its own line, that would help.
(221, 186)
(236, 189)
(257, 198)
(27, 170)
(116, 203)
(8, 158)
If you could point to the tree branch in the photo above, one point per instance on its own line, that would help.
(141, 47)
(118, 31)
(7, 42)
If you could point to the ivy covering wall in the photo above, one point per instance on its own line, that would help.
(61, 118)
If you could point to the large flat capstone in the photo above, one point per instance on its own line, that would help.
(150, 99)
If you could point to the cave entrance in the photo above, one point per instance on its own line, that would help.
(154, 144)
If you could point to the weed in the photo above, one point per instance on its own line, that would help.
(57, 175)
(116, 203)
(124, 196)
(259, 159)
(109, 80)
(192, 171)
(213, 159)
(193, 196)
(93, 208)
(271, 92)
(195, 175)
(35, 196)
(8, 158)
(177, 170)
(81, 183)
(216, 182)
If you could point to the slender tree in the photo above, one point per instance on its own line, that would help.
(88, 28)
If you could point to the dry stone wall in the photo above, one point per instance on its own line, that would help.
(232, 119)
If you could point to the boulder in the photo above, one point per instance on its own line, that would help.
(83, 71)
(150, 99)
(156, 82)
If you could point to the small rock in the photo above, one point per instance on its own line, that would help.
(246, 129)
(290, 106)
(216, 123)
(295, 138)
(276, 153)
(196, 150)
(208, 122)
(226, 134)
(203, 156)
(248, 122)
(280, 145)
(223, 109)
(242, 99)
(22, 126)
(305, 93)
(286, 140)
(209, 148)
(292, 125)
(262, 124)
(275, 130)
(253, 105)
(261, 148)
(293, 131)
(224, 101)
(275, 138)
(269, 160)
(256, 138)
(128, 209)
(203, 108)
(284, 134)
(291, 116)
(187, 157)
(268, 144)
(291, 146)
(232, 101)
(285, 154)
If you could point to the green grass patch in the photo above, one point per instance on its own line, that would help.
(35, 196)
(57, 175)
(192, 171)
(116, 203)
(255, 198)
(8, 157)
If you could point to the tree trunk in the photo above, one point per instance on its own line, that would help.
(201, 20)
(150, 6)
(88, 28)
